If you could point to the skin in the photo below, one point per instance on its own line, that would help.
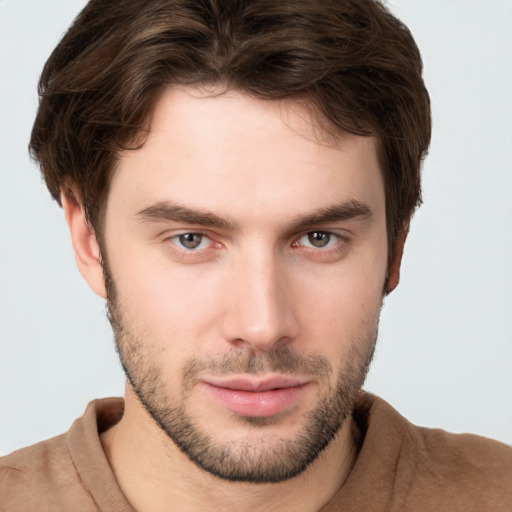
(256, 284)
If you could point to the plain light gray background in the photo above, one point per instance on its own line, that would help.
(444, 356)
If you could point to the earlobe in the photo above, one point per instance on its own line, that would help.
(85, 246)
(393, 277)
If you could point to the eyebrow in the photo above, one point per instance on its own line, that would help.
(347, 210)
(167, 211)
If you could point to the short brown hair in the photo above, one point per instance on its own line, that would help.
(351, 60)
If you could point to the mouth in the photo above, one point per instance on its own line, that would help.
(257, 397)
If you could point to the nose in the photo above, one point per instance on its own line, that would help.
(259, 306)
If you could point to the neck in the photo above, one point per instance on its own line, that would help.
(153, 472)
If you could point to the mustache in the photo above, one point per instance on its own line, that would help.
(278, 360)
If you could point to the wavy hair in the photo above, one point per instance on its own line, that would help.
(352, 61)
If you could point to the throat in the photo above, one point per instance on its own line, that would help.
(153, 472)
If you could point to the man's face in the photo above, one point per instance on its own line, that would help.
(247, 259)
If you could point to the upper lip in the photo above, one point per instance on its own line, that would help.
(256, 383)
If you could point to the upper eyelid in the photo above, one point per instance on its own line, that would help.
(292, 238)
(331, 233)
(173, 239)
(332, 244)
(166, 235)
(342, 234)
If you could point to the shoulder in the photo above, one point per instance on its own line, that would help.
(469, 451)
(26, 472)
(18, 492)
(67, 472)
(422, 469)
(471, 469)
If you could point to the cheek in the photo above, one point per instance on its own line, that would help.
(170, 305)
(343, 307)
(347, 310)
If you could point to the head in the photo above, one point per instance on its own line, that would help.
(322, 167)
(351, 62)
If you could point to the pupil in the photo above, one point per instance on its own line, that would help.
(191, 240)
(318, 238)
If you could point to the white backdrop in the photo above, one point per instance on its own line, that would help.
(445, 350)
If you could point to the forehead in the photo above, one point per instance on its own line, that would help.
(237, 153)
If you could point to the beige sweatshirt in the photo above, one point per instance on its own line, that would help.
(400, 467)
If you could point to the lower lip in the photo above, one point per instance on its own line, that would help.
(258, 404)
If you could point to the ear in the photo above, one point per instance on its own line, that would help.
(393, 277)
(85, 246)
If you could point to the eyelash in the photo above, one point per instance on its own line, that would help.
(335, 242)
(332, 237)
(176, 239)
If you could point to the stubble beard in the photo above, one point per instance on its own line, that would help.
(256, 458)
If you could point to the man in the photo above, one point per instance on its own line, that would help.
(238, 180)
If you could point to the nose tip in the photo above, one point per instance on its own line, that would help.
(260, 313)
(261, 338)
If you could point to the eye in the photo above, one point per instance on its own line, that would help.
(319, 239)
(191, 241)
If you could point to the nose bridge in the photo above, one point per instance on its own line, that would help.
(260, 311)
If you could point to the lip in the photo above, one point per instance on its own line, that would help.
(256, 397)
